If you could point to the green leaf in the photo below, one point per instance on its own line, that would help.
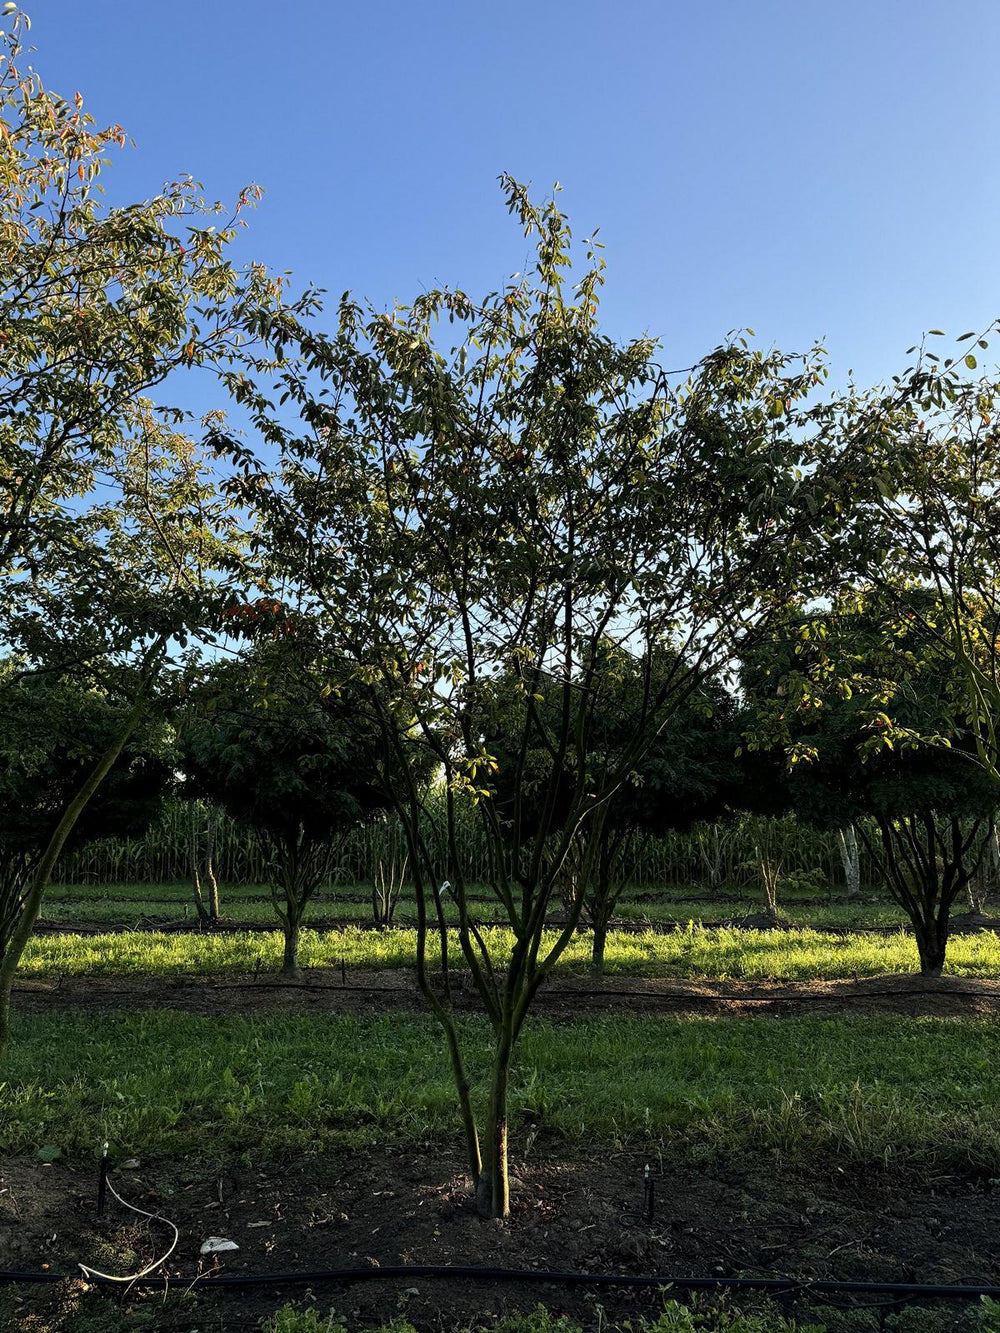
(971, 361)
(965, 336)
(49, 1153)
(937, 333)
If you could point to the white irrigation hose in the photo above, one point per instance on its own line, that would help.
(132, 1277)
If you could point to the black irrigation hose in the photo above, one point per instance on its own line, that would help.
(695, 997)
(348, 1276)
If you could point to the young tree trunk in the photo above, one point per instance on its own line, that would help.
(493, 1190)
(604, 898)
(600, 944)
(193, 860)
(290, 960)
(711, 852)
(847, 841)
(978, 889)
(213, 885)
(927, 864)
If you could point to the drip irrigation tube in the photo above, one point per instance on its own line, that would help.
(182, 982)
(905, 1291)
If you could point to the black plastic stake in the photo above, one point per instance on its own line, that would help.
(102, 1181)
(343, 972)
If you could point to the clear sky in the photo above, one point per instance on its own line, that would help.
(815, 170)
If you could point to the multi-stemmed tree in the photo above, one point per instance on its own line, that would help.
(508, 500)
(297, 768)
(873, 709)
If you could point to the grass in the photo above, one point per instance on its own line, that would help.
(703, 1315)
(159, 1082)
(173, 903)
(674, 1318)
(698, 952)
(256, 910)
(95, 1312)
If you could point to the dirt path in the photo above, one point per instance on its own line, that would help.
(329, 991)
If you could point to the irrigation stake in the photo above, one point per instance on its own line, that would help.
(102, 1181)
(648, 1194)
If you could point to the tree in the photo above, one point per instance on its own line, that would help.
(863, 756)
(98, 305)
(54, 730)
(111, 543)
(506, 506)
(296, 769)
(113, 609)
(925, 518)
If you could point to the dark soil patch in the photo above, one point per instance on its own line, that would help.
(412, 1206)
(329, 991)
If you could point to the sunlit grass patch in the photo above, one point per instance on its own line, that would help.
(697, 953)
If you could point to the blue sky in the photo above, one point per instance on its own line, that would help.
(813, 170)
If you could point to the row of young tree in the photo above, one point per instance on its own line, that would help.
(301, 773)
(507, 553)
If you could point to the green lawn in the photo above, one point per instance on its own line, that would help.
(698, 952)
(173, 903)
(874, 1089)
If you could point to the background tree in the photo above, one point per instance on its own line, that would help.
(686, 775)
(925, 515)
(863, 755)
(296, 769)
(54, 730)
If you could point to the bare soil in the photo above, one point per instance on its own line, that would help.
(330, 991)
(387, 1206)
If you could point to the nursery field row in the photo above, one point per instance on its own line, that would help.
(697, 952)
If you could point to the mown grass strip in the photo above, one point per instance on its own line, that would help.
(69, 911)
(887, 1090)
(699, 952)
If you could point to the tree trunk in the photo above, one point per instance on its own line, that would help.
(847, 841)
(213, 884)
(600, 943)
(932, 943)
(290, 961)
(4, 1017)
(193, 859)
(604, 900)
(493, 1191)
